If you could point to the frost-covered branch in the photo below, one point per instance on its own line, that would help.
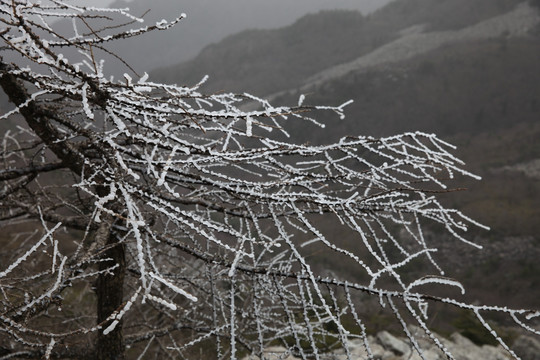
(183, 222)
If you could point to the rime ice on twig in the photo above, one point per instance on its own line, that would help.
(201, 205)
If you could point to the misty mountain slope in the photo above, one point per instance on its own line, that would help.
(260, 61)
(441, 15)
(515, 23)
(468, 87)
(265, 62)
(210, 21)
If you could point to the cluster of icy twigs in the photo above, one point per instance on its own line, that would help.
(218, 210)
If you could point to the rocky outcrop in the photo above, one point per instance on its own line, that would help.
(385, 346)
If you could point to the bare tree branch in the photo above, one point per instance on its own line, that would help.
(211, 208)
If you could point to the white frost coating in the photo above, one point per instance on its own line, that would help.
(128, 78)
(161, 301)
(532, 315)
(301, 99)
(102, 201)
(143, 78)
(233, 321)
(307, 269)
(493, 332)
(436, 280)
(48, 294)
(142, 89)
(74, 24)
(118, 316)
(249, 126)
(203, 337)
(118, 122)
(121, 161)
(167, 166)
(33, 97)
(225, 204)
(133, 221)
(55, 255)
(111, 327)
(173, 287)
(49, 349)
(423, 306)
(237, 258)
(32, 249)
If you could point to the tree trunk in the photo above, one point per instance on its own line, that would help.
(110, 292)
(109, 285)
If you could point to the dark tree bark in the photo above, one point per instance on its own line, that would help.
(38, 119)
(109, 290)
(109, 285)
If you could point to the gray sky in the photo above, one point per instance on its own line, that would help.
(96, 3)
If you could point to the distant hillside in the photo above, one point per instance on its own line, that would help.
(264, 62)
(470, 87)
(442, 14)
(417, 40)
(448, 81)
(209, 21)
